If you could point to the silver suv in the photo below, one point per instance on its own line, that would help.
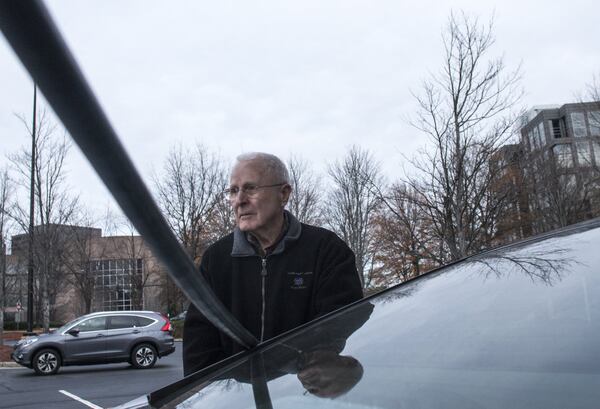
(137, 337)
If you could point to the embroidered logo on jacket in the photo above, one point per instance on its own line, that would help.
(299, 280)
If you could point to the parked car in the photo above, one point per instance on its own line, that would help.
(137, 337)
(514, 327)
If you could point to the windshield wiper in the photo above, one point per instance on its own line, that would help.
(34, 37)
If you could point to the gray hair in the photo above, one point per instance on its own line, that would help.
(272, 165)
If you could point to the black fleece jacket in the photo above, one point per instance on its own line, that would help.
(309, 273)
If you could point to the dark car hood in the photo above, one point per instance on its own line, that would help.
(514, 327)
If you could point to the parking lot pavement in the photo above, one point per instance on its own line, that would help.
(102, 385)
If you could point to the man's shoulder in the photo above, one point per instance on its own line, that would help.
(316, 230)
(222, 245)
(320, 234)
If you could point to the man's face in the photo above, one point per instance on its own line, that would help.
(260, 212)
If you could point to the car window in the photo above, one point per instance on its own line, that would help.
(121, 321)
(92, 324)
(142, 321)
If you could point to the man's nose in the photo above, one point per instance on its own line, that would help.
(239, 198)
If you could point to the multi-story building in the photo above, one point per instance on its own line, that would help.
(552, 177)
(570, 132)
(86, 271)
(561, 162)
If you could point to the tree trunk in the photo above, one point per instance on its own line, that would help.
(88, 304)
(45, 303)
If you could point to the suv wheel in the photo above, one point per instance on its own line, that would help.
(143, 356)
(46, 362)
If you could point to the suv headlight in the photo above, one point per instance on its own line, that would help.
(27, 341)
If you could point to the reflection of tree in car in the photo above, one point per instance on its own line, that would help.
(546, 263)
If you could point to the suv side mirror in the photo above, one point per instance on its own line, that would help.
(73, 331)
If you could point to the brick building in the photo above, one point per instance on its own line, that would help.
(87, 271)
(515, 220)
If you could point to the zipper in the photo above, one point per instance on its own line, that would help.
(263, 274)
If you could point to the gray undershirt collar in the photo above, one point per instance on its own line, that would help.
(242, 246)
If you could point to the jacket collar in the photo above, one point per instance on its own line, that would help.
(243, 248)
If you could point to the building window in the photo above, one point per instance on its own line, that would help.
(568, 182)
(584, 154)
(578, 121)
(531, 141)
(114, 280)
(555, 128)
(594, 119)
(563, 155)
(536, 136)
(596, 146)
(543, 200)
(541, 133)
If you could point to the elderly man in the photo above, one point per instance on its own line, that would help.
(273, 272)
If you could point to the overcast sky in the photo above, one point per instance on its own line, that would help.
(306, 77)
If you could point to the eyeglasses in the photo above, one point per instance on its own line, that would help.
(248, 190)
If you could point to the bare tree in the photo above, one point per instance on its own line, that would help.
(189, 193)
(406, 247)
(304, 202)
(55, 207)
(221, 221)
(351, 206)
(138, 270)
(467, 113)
(593, 89)
(82, 248)
(140, 265)
(5, 198)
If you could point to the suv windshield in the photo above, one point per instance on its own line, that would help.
(67, 325)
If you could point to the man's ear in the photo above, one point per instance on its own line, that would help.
(286, 191)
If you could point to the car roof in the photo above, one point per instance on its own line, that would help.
(516, 326)
(123, 312)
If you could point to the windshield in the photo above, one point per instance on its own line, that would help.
(68, 324)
